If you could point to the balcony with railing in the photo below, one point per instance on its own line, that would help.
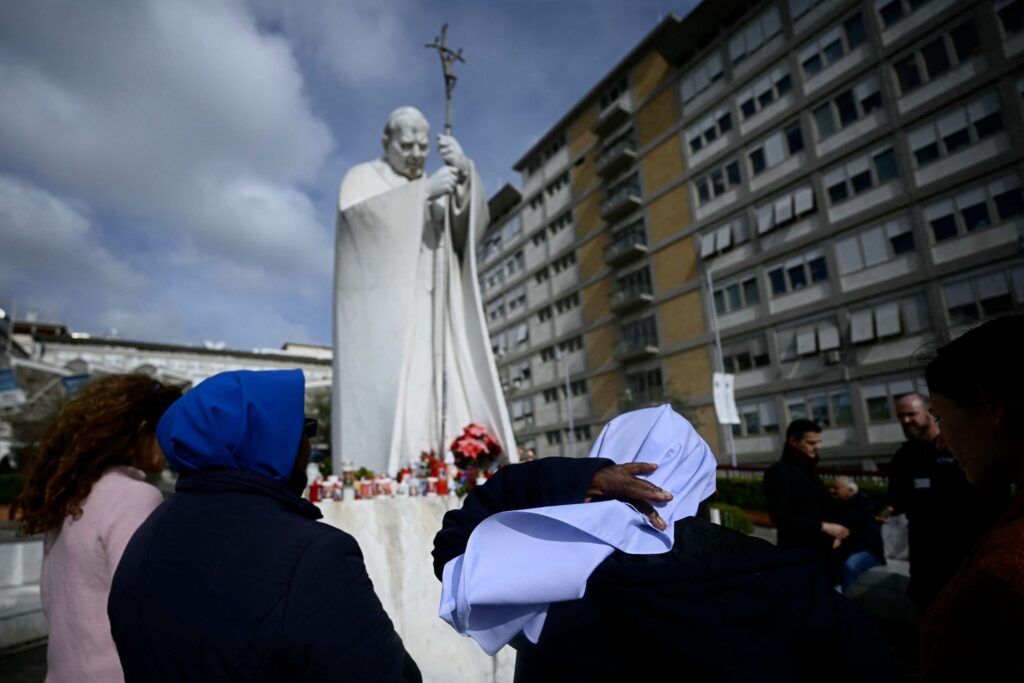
(631, 298)
(613, 116)
(636, 347)
(626, 246)
(622, 199)
(616, 157)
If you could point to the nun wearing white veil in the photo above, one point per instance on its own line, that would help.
(586, 585)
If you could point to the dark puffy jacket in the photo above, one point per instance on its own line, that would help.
(233, 579)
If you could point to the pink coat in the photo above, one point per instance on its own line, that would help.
(78, 566)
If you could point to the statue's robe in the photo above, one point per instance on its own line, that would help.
(386, 393)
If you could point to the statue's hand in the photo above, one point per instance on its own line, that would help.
(442, 182)
(451, 152)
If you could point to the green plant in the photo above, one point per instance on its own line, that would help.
(741, 492)
(734, 518)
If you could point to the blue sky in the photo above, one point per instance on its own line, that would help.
(169, 168)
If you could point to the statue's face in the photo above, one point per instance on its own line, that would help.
(406, 148)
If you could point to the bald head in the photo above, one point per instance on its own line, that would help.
(917, 423)
(406, 142)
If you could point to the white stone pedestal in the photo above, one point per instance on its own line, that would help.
(396, 536)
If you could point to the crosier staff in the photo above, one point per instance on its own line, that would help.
(448, 59)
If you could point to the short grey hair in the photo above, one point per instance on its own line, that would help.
(400, 114)
(847, 481)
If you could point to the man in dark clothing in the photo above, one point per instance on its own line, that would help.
(232, 578)
(719, 606)
(863, 548)
(946, 515)
(796, 497)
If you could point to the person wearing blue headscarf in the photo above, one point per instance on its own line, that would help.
(232, 578)
(606, 568)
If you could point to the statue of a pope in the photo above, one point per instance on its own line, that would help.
(410, 343)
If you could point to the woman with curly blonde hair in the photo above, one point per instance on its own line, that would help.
(87, 492)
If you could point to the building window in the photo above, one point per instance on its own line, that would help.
(636, 281)
(1011, 15)
(523, 410)
(539, 238)
(555, 147)
(797, 273)
(875, 245)
(956, 129)
(515, 300)
(515, 264)
(557, 184)
(807, 339)
(520, 334)
(880, 398)
(878, 321)
(798, 8)
(702, 77)
(736, 296)
(768, 89)
(983, 296)
(860, 175)
(748, 354)
(775, 149)
(892, 11)
(554, 438)
(725, 237)
(644, 386)
(570, 345)
(542, 275)
(544, 314)
(717, 182)
(498, 344)
(551, 395)
(847, 107)
(757, 418)
(612, 94)
(832, 45)
(562, 222)
(754, 35)
(939, 55)
(581, 433)
(711, 127)
(784, 209)
(827, 408)
(532, 166)
(496, 311)
(513, 228)
(642, 332)
(567, 303)
(564, 262)
(537, 202)
(979, 207)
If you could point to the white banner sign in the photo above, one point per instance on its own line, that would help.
(725, 399)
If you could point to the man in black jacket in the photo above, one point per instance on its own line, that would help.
(796, 497)
(720, 606)
(232, 578)
(946, 515)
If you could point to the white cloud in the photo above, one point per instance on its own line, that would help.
(359, 42)
(176, 111)
(53, 248)
(180, 123)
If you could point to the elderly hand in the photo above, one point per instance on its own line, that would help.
(621, 483)
(838, 532)
(442, 182)
(451, 152)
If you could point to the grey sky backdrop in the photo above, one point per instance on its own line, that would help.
(169, 168)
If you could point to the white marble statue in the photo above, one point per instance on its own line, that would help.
(401, 349)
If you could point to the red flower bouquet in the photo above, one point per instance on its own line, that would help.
(475, 448)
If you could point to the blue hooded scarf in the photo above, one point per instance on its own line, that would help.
(241, 420)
